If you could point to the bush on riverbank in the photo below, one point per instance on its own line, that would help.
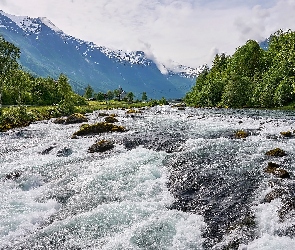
(251, 77)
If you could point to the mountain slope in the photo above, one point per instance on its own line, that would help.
(47, 51)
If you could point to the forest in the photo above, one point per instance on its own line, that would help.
(251, 77)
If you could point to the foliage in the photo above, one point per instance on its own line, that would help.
(144, 97)
(251, 77)
(88, 92)
(9, 54)
(130, 96)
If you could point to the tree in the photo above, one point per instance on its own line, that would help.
(110, 95)
(144, 97)
(130, 96)
(88, 92)
(99, 96)
(9, 54)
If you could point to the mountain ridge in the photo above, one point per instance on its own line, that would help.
(48, 51)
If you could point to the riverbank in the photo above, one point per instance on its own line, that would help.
(21, 116)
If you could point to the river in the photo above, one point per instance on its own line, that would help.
(176, 180)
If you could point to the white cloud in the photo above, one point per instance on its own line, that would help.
(188, 31)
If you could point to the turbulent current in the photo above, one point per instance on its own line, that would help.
(177, 179)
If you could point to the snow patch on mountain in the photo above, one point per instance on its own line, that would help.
(25, 23)
(49, 24)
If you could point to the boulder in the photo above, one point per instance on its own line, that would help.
(101, 146)
(76, 118)
(98, 128)
(241, 134)
(133, 111)
(60, 120)
(277, 152)
(110, 119)
(275, 169)
(286, 133)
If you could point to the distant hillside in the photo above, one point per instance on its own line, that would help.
(47, 51)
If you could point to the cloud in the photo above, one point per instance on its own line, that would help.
(188, 32)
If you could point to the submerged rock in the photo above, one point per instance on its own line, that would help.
(103, 114)
(276, 152)
(287, 209)
(13, 175)
(101, 146)
(275, 169)
(47, 150)
(274, 194)
(65, 152)
(98, 128)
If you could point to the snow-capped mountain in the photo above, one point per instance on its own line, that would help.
(48, 51)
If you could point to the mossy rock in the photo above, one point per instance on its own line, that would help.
(179, 105)
(286, 133)
(101, 146)
(98, 128)
(76, 118)
(133, 111)
(110, 119)
(60, 120)
(241, 134)
(273, 168)
(277, 152)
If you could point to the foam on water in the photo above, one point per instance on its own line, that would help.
(120, 199)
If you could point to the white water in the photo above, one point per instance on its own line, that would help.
(119, 200)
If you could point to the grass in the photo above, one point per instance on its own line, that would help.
(13, 117)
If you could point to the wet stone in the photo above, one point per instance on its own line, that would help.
(286, 134)
(110, 119)
(275, 169)
(101, 146)
(13, 175)
(274, 194)
(65, 152)
(277, 152)
(47, 150)
(76, 118)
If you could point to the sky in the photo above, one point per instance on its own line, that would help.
(187, 32)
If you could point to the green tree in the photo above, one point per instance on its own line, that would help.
(100, 96)
(110, 95)
(144, 97)
(130, 96)
(9, 54)
(88, 93)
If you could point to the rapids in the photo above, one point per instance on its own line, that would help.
(176, 180)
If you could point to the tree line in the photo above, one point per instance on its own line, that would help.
(18, 87)
(116, 94)
(251, 77)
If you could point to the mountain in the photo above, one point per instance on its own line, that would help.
(48, 51)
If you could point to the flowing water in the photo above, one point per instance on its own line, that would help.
(177, 179)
